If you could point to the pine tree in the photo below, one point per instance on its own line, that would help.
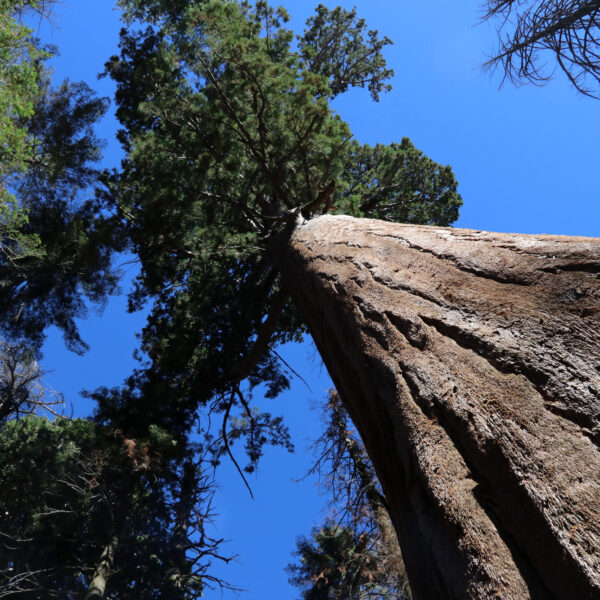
(87, 511)
(56, 241)
(354, 554)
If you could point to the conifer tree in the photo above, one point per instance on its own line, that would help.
(233, 154)
(56, 242)
(228, 129)
(87, 512)
(354, 554)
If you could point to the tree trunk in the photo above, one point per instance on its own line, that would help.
(179, 571)
(102, 573)
(470, 363)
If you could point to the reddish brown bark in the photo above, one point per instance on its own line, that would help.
(470, 363)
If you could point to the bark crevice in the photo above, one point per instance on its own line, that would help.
(511, 364)
(501, 278)
(483, 493)
(581, 267)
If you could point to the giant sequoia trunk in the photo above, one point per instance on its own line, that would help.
(470, 363)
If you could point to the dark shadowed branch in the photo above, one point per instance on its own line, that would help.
(21, 390)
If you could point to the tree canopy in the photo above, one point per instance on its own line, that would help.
(55, 247)
(229, 137)
(228, 130)
(71, 488)
(19, 70)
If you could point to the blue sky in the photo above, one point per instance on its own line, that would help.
(526, 160)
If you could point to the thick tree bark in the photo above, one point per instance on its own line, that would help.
(470, 363)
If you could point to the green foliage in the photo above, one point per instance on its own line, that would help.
(74, 238)
(19, 68)
(228, 127)
(20, 60)
(337, 44)
(67, 488)
(398, 183)
(55, 245)
(338, 564)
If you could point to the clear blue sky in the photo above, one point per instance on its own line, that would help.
(526, 159)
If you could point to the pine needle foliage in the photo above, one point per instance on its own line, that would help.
(70, 487)
(55, 239)
(229, 131)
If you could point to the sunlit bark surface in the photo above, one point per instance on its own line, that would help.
(470, 363)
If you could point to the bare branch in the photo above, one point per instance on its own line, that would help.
(21, 390)
(567, 28)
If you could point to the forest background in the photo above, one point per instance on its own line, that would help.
(526, 160)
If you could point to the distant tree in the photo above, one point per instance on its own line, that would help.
(530, 29)
(337, 564)
(54, 243)
(88, 512)
(21, 389)
(56, 193)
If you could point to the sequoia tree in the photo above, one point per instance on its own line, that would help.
(469, 362)
(227, 127)
(463, 358)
